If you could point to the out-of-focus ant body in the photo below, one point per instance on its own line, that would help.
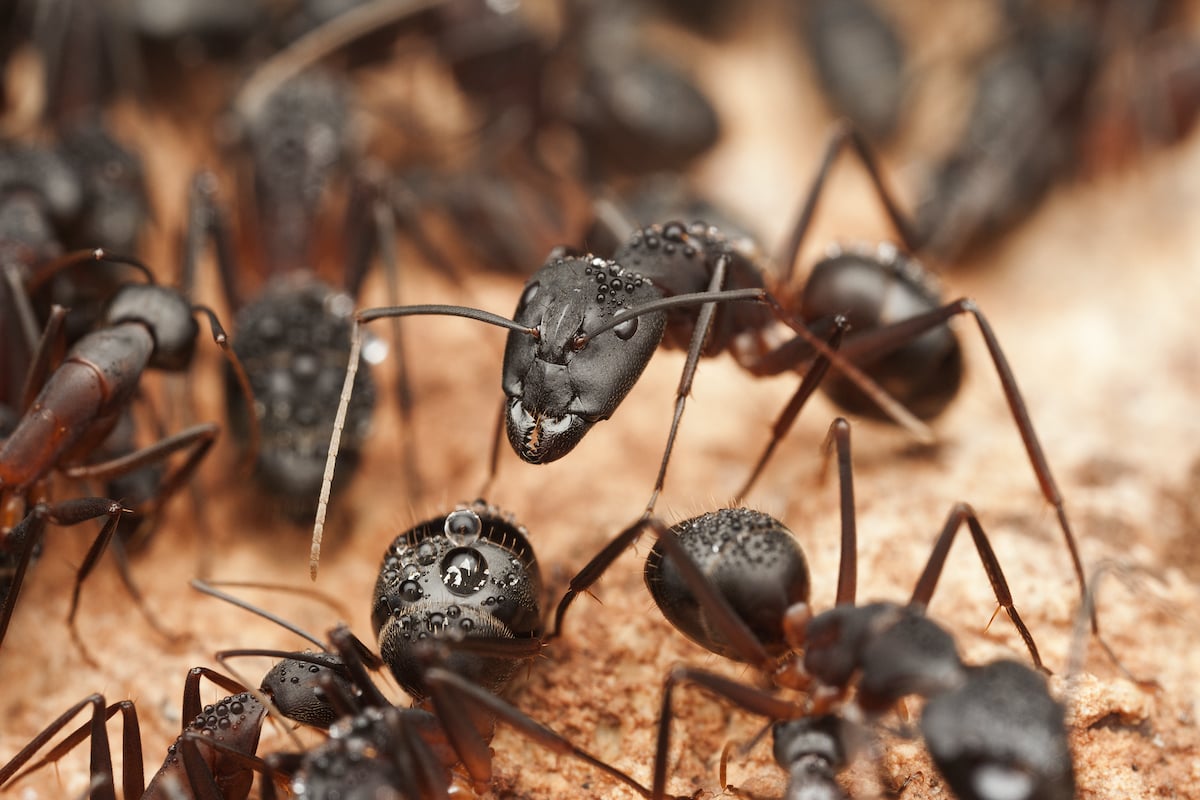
(736, 582)
(293, 336)
(585, 328)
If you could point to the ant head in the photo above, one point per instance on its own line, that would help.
(564, 380)
(168, 316)
(470, 574)
(294, 686)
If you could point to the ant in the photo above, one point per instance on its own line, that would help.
(211, 759)
(378, 747)
(291, 335)
(585, 328)
(144, 326)
(860, 61)
(456, 611)
(736, 582)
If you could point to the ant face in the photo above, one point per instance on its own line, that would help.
(468, 574)
(562, 381)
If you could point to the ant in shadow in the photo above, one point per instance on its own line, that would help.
(585, 328)
(736, 582)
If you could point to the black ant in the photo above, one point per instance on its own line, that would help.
(860, 62)
(456, 612)
(736, 582)
(212, 759)
(144, 326)
(585, 327)
(293, 335)
(379, 748)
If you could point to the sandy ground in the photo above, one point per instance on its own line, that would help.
(1094, 303)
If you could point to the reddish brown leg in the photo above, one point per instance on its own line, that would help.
(699, 335)
(30, 530)
(933, 569)
(756, 701)
(808, 385)
(883, 340)
(101, 769)
(843, 135)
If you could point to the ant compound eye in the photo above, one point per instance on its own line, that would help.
(463, 527)
(627, 329)
(464, 571)
(527, 296)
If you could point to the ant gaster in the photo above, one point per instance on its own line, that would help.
(585, 328)
(736, 582)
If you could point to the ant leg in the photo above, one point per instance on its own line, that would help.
(453, 696)
(839, 435)
(45, 353)
(843, 135)
(21, 307)
(198, 437)
(699, 335)
(207, 221)
(494, 459)
(97, 548)
(881, 341)
(732, 628)
(962, 512)
(749, 698)
(592, 571)
(29, 531)
(103, 780)
(808, 384)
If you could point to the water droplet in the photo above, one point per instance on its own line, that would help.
(464, 571)
(463, 526)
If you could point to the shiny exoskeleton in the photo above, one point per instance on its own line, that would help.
(736, 582)
(376, 749)
(585, 328)
(144, 326)
(213, 758)
(470, 574)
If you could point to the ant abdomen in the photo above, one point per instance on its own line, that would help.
(470, 574)
(292, 342)
(872, 289)
(751, 559)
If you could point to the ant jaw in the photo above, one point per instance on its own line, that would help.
(539, 438)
